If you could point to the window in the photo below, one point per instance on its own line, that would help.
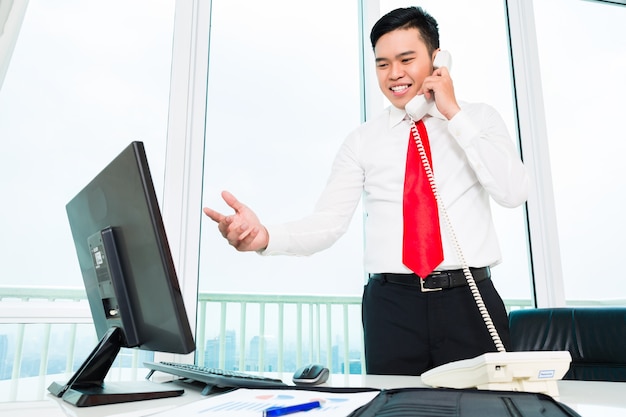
(283, 93)
(85, 79)
(481, 73)
(582, 69)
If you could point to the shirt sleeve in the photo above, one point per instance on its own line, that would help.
(483, 136)
(333, 210)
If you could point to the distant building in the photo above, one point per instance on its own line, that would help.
(5, 369)
(270, 354)
(212, 352)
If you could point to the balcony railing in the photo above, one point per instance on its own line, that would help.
(43, 327)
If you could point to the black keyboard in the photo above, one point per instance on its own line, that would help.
(212, 377)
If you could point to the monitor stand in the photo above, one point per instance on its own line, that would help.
(87, 387)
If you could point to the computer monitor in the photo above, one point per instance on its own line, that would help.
(129, 277)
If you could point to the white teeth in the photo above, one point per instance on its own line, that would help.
(399, 88)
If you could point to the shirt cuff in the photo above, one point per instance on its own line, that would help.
(277, 242)
(463, 129)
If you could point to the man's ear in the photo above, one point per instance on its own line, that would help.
(434, 54)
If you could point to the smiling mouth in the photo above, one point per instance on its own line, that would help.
(400, 88)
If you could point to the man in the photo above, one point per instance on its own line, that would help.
(408, 330)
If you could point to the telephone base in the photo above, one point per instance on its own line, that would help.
(519, 384)
(536, 371)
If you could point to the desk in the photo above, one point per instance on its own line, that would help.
(589, 399)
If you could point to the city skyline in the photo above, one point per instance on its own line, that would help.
(86, 341)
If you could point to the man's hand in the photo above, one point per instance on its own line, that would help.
(243, 230)
(440, 85)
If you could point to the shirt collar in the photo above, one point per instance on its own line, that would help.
(397, 115)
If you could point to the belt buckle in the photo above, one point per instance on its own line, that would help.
(424, 289)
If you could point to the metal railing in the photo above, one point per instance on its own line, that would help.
(258, 332)
(322, 328)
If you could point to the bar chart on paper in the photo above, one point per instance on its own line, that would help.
(253, 402)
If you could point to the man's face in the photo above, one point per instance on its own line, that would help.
(402, 63)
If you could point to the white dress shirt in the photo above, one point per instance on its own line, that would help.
(473, 158)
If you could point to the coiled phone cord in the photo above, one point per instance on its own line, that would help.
(466, 271)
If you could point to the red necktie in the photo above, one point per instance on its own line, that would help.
(422, 251)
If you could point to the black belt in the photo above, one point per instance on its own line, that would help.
(436, 281)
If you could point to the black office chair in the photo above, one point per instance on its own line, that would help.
(594, 336)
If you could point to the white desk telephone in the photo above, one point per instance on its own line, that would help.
(420, 105)
(501, 370)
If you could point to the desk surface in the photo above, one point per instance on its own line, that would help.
(589, 399)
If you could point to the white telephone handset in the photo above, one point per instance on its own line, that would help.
(419, 105)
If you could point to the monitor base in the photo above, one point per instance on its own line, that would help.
(115, 392)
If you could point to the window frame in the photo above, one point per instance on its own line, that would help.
(543, 240)
(182, 194)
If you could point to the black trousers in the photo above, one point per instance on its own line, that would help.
(408, 332)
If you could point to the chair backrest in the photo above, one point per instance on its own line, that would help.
(594, 336)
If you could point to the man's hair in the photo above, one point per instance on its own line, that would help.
(407, 18)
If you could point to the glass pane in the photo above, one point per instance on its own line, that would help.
(582, 69)
(481, 73)
(277, 113)
(86, 78)
(283, 93)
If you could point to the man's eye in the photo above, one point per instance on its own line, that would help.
(382, 65)
(407, 60)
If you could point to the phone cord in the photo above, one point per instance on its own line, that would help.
(466, 270)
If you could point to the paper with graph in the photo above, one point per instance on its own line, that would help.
(252, 402)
